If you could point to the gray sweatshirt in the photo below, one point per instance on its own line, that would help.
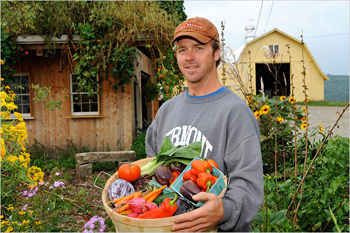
(230, 135)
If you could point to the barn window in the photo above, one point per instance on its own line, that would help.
(20, 85)
(274, 49)
(82, 103)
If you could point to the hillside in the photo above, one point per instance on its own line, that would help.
(336, 88)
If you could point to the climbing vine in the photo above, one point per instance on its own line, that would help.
(10, 54)
(109, 32)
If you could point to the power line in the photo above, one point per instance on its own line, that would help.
(339, 34)
(257, 23)
(269, 16)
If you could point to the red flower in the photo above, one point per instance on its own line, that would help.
(8, 31)
(26, 52)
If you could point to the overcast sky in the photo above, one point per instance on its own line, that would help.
(324, 25)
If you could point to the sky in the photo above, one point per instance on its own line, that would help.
(323, 24)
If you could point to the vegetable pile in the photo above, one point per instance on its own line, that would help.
(135, 194)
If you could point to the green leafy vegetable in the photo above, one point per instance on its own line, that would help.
(169, 153)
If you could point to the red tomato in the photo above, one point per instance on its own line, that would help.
(212, 162)
(129, 172)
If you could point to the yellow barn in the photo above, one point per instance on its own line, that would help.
(275, 56)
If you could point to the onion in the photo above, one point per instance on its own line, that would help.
(149, 206)
(137, 204)
(133, 215)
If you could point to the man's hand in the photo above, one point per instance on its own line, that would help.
(203, 218)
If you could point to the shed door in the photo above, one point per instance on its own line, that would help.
(267, 74)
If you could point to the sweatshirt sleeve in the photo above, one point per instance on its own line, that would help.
(244, 194)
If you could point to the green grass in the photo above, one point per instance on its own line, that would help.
(326, 103)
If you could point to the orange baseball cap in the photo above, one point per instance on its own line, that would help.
(198, 28)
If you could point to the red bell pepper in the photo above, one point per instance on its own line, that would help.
(167, 209)
(205, 180)
(175, 174)
(189, 176)
(200, 166)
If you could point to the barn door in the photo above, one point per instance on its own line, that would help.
(268, 74)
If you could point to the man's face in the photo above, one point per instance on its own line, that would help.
(196, 61)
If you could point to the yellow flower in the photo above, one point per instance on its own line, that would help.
(35, 174)
(2, 216)
(18, 116)
(30, 211)
(21, 212)
(4, 223)
(25, 221)
(305, 110)
(257, 114)
(3, 149)
(264, 109)
(9, 229)
(280, 119)
(2, 62)
(303, 126)
(250, 99)
(37, 222)
(321, 129)
(292, 100)
(282, 98)
(11, 106)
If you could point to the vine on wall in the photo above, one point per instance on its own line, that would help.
(108, 32)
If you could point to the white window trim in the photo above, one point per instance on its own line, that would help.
(25, 116)
(276, 49)
(72, 101)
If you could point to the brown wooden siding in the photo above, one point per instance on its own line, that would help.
(115, 127)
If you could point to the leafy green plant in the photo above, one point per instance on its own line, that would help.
(325, 187)
(10, 54)
(277, 128)
(108, 33)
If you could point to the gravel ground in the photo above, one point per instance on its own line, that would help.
(327, 117)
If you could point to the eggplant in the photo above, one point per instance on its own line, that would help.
(183, 206)
(163, 175)
(188, 189)
(177, 166)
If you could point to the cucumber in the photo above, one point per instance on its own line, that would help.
(162, 197)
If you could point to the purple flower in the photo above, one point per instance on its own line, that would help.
(30, 194)
(51, 187)
(56, 184)
(57, 174)
(41, 183)
(25, 207)
(90, 225)
(25, 193)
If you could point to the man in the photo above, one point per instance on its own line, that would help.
(229, 132)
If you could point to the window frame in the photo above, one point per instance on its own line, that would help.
(24, 115)
(71, 97)
(274, 49)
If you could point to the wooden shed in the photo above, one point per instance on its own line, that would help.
(275, 52)
(107, 123)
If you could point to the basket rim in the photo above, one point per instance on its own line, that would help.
(159, 222)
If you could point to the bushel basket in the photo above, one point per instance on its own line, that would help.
(127, 224)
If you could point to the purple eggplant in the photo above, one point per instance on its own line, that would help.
(188, 189)
(163, 175)
(177, 166)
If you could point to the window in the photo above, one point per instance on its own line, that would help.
(20, 86)
(274, 49)
(81, 103)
